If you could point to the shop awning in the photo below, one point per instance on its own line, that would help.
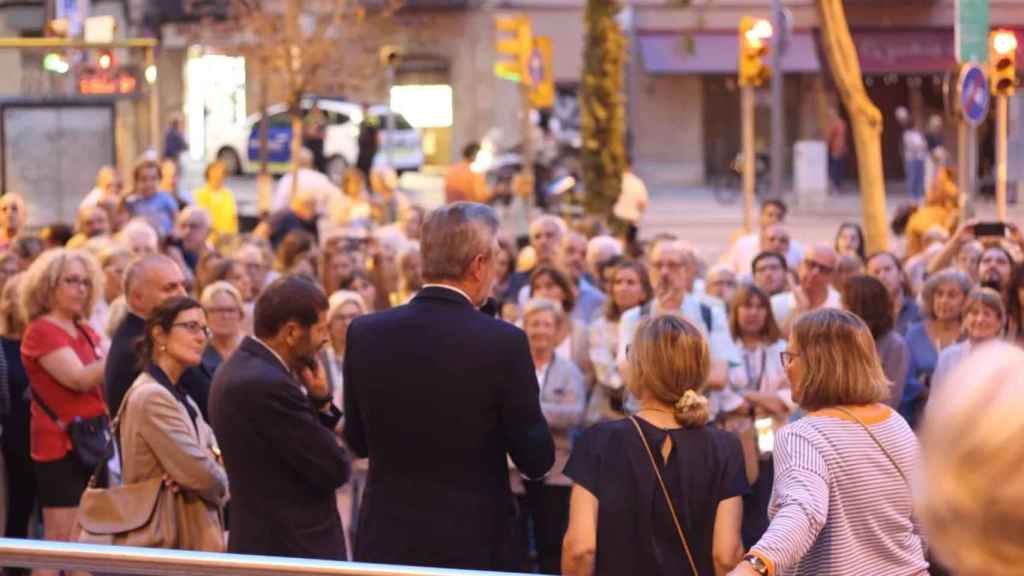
(715, 53)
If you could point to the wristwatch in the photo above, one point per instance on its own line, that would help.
(757, 564)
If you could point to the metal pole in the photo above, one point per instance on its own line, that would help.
(527, 175)
(962, 167)
(154, 104)
(778, 154)
(747, 118)
(1001, 129)
(972, 171)
(389, 124)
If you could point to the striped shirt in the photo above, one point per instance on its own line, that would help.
(839, 506)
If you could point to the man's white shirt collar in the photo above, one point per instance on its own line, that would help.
(453, 289)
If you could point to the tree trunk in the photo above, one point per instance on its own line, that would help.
(865, 119)
(296, 113)
(602, 107)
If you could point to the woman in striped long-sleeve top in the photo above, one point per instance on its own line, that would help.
(842, 503)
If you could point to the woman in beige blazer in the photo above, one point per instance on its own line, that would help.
(164, 435)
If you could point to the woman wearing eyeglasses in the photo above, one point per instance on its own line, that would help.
(62, 358)
(225, 310)
(162, 433)
(842, 472)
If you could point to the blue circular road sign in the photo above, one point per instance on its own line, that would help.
(974, 94)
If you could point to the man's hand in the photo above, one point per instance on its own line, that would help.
(315, 380)
(803, 303)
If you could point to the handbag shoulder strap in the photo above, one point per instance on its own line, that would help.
(39, 397)
(668, 498)
(876, 441)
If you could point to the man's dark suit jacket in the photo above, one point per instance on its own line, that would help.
(282, 457)
(123, 367)
(436, 395)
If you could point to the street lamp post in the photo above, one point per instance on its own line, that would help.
(1003, 78)
(754, 37)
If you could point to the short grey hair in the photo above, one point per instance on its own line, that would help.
(950, 276)
(536, 305)
(189, 211)
(453, 236)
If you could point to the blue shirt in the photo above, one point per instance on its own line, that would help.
(921, 365)
(160, 209)
(588, 302)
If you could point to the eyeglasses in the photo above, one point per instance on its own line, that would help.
(223, 310)
(194, 328)
(76, 281)
(788, 357)
(671, 265)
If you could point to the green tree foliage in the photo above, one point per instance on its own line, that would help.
(602, 106)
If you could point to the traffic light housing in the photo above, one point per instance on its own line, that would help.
(755, 38)
(1002, 58)
(515, 44)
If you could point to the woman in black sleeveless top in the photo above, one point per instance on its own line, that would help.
(620, 521)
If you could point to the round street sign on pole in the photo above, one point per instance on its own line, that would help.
(974, 94)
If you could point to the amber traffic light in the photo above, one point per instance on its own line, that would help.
(1002, 58)
(755, 40)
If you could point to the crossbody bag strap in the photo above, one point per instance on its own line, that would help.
(38, 398)
(668, 498)
(875, 439)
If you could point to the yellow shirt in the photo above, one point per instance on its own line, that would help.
(220, 203)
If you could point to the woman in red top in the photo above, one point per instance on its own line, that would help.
(61, 356)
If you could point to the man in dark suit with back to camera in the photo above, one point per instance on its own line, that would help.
(437, 395)
(274, 420)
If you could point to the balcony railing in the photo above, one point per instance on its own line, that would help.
(160, 562)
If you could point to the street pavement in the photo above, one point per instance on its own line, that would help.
(691, 213)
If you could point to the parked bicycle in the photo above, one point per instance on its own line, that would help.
(727, 188)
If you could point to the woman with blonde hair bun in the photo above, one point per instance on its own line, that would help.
(972, 501)
(661, 491)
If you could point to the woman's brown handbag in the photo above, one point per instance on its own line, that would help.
(139, 514)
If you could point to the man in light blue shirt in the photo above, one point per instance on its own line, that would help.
(673, 266)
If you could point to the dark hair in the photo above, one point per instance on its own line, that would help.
(778, 204)
(768, 256)
(469, 151)
(904, 279)
(288, 299)
(560, 279)
(868, 298)
(163, 316)
(1014, 306)
(901, 219)
(295, 243)
(57, 235)
(27, 247)
(860, 238)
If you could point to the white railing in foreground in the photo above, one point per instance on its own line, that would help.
(159, 562)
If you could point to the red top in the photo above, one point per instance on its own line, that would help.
(42, 337)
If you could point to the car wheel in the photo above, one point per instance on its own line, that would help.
(336, 166)
(229, 158)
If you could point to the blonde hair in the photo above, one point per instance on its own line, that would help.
(842, 365)
(669, 361)
(219, 287)
(972, 496)
(40, 281)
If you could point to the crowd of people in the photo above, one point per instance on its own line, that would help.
(359, 379)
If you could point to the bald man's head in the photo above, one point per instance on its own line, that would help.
(150, 280)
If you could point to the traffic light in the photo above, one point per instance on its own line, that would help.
(1002, 58)
(755, 36)
(105, 59)
(516, 45)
